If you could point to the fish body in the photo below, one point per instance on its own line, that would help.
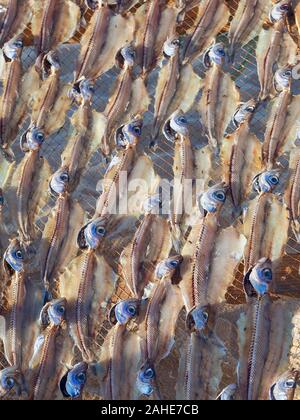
(12, 51)
(166, 86)
(149, 36)
(93, 47)
(293, 198)
(43, 40)
(7, 20)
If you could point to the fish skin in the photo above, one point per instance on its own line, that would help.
(43, 41)
(293, 198)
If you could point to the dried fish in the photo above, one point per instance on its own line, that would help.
(119, 101)
(274, 45)
(176, 129)
(132, 256)
(75, 380)
(12, 52)
(156, 335)
(257, 284)
(15, 260)
(53, 23)
(277, 116)
(195, 292)
(284, 387)
(13, 18)
(42, 362)
(86, 296)
(212, 17)
(122, 162)
(264, 236)
(241, 154)
(30, 143)
(219, 97)
(166, 85)
(249, 15)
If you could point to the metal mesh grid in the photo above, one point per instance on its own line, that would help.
(243, 72)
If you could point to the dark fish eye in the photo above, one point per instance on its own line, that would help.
(61, 309)
(18, 44)
(149, 373)
(176, 42)
(290, 383)
(274, 180)
(100, 230)
(81, 377)
(19, 254)
(10, 382)
(182, 120)
(205, 315)
(39, 136)
(221, 52)
(64, 177)
(173, 263)
(137, 130)
(267, 273)
(131, 310)
(250, 109)
(287, 73)
(219, 195)
(284, 7)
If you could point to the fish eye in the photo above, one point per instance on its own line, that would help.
(287, 73)
(182, 120)
(18, 44)
(149, 373)
(173, 263)
(81, 377)
(250, 108)
(137, 130)
(64, 177)
(219, 195)
(221, 52)
(19, 254)
(61, 310)
(9, 383)
(131, 310)
(205, 315)
(290, 383)
(175, 42)
(100, 230)
(274, 179)
(267, 273)
(39, 136)
(284, 7)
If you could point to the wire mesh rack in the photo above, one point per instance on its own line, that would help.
(243, 72)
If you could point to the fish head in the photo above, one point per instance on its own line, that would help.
(10, 380)
(266, 181)
(213, 199)
(284, 387)
(123, 311)
(168, 267)
(176, 124)
(60, 181)
(171, 46)
(14, 257)
(216, 54)
(244, 112)
(126, 57)
(129, 134)
(87, 89)
(92, 234)
(283, 78)
(32, 139)
(146, 379)
(13, 49)
(280, 11)
(259, 278)
(197, 319)
(56, 310)
(73, 382)
(152, 204)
